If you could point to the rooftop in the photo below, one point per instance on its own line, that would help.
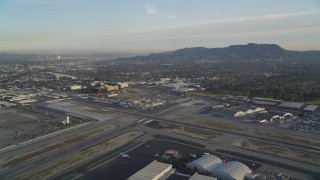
(310, 107)
(295, 105)
(208, 162)
(197, 176)
(154, 170)
(232, 170)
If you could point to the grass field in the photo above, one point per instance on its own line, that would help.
(223, 125)
(14, 116)
(194, 133)
(58, 145)
(288, 138)
(83, 156)
(315, 101)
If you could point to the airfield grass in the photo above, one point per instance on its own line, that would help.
(278, 151)
(83, 156)
(315, 101)
(223, 125)
(14, 116)
(288, 138)
(48, 148)
(194, 133)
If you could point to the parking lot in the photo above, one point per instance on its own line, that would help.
(297, 120)
(25, 123)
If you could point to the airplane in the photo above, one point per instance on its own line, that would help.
(123, 155)
(193, 155)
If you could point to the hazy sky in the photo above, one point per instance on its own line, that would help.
(158, 25)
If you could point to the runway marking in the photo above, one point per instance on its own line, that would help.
(149, 121)
(111, 109)
(141, 120)
(7, 147)
(105, 110)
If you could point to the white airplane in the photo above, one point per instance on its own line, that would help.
(193, 155)
(123, 155)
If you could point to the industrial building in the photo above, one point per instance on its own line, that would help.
(75, 87)
(292, 105)
(172, 153)
(63, 76)
(111, 87)
(232, 170)
(311, 108)
(155, 170)
(206, 164)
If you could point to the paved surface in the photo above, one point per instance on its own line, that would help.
(122, 168)
(142, 119)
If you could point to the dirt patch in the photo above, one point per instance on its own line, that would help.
(16, 116)
(194, 133)
(223, 125)
(83, 156)
(199, 104)
(288, 138)
(245, 144)
(54, 146)
(278, 151)
(165, 125)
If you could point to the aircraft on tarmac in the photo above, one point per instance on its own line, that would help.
(123, 155)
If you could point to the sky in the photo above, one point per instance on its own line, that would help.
(48, 26)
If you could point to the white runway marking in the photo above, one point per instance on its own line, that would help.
(149, 121)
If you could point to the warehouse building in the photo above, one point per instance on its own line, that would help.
(232, 170)
(311, 108)
(292, 105)
(171, 153)
(206, 164)
(155, 170)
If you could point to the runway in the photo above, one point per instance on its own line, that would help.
(142, 120)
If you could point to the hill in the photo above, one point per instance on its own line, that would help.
(250, 51)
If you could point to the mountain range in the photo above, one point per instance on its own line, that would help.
(249, 51)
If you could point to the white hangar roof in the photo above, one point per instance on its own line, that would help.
(208, 162)
(232, 170)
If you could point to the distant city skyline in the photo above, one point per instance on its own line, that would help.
(62, 26)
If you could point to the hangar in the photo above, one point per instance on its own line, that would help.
(155, 170)
(206, 164)
(232, 170)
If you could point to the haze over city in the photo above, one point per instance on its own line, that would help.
(60, 26)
